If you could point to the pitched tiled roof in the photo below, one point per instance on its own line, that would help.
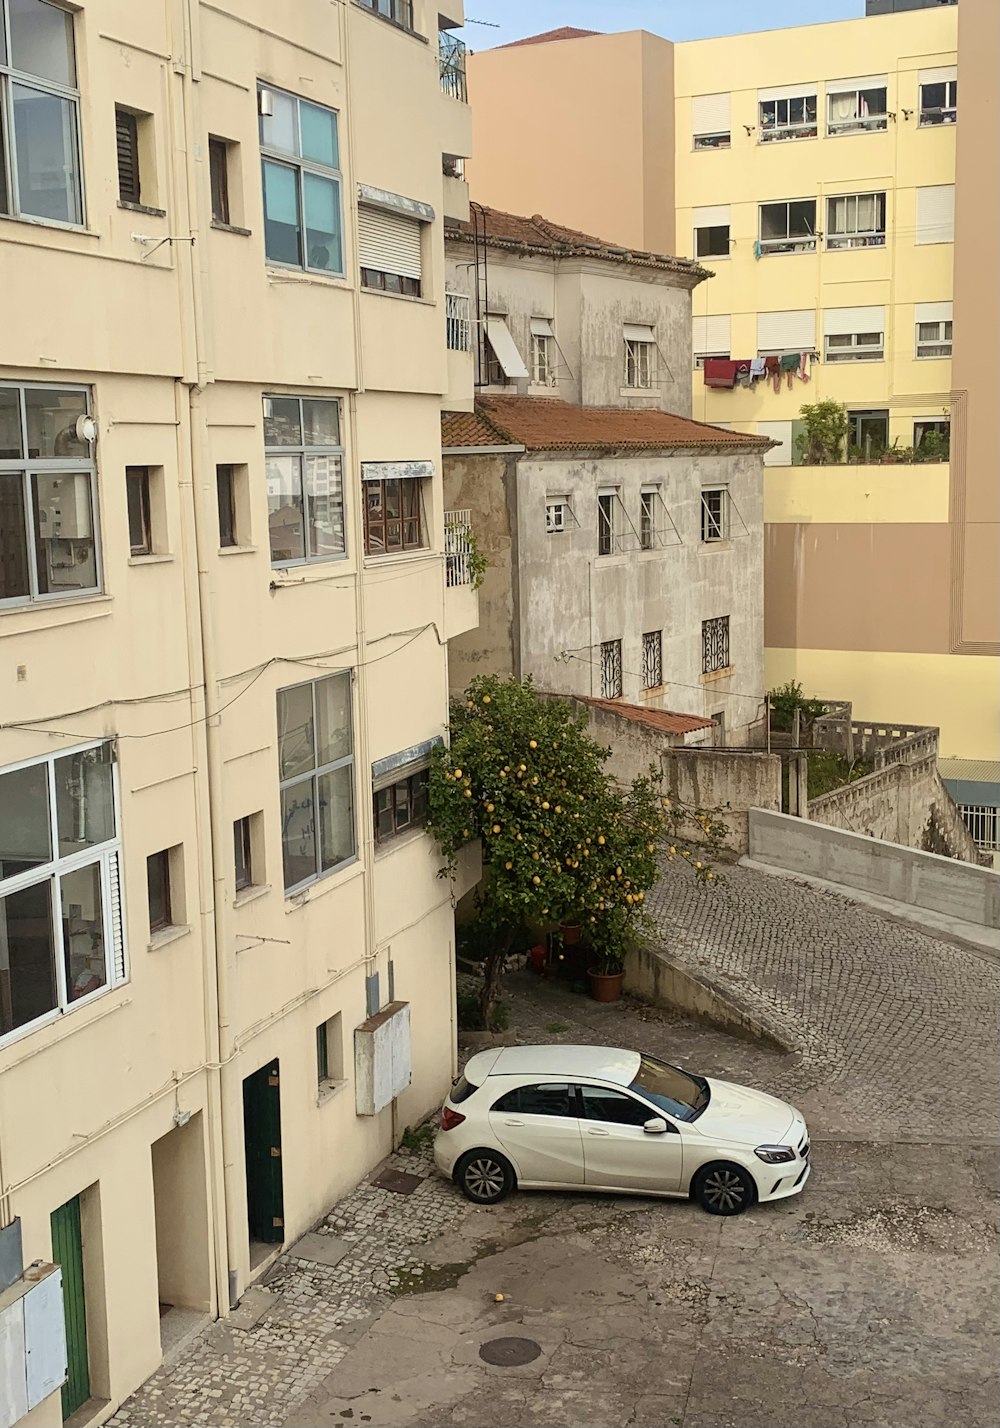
(537, 234)
(544, 424)
(565, 32)
(663, 719)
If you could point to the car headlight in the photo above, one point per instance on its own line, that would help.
(775, 1154)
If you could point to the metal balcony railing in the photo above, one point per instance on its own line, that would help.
(451, 52)
(458, 322)
(457, 547)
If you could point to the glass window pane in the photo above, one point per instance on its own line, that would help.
(802, 218)
(392, 499)
(282, 234)
(83, 931)
(27, 956)
(65, 552)
(283, 475)
(45, 154)
(52, 415)
(296, 733)
(158, 889)
(14, 576)
(279, 130)
(333, 715)
(85, 808)
(336, 817)
(550, 1099)
(320, 422)
(25, 840)
(319, 134)
(601, 1104)
(322, 207)
(282, 422)
(10, 425)
(298, 833)
(41, 41)
(325, 488)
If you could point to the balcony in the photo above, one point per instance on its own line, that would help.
(451, 59)
(461, 564)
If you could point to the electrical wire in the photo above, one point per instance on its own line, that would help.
(679, 684)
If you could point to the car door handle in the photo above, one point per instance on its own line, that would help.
(591, 1130)
(513, 1123)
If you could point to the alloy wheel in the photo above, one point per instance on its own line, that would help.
(724, 1190)
(484, 1178)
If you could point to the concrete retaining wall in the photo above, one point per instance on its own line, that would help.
(652, 975)
(942, 885)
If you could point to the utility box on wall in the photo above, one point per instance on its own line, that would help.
(382, 1058)
(32, 1341)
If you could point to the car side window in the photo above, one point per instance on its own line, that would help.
(549, 1099)
(602, 1104)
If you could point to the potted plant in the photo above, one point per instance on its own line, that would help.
(570, 932)
(606, 941)
(606, 978)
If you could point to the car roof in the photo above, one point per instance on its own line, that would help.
(602, 1063)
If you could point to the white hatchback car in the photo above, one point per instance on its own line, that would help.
(599, 1118)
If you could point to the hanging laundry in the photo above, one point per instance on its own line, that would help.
(804, 366)
(757, 368)
(772, 366)
(720, 372)
(743, 371)
(758, 251)
(790, 364)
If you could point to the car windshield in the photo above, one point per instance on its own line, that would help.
(677, 1092)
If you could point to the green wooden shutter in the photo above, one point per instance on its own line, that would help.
(67, 1252)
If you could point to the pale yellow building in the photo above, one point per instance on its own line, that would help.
(225, 954)
(813, 170)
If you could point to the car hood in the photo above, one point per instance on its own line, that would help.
(736, 1113)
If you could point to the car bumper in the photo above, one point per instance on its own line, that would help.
(779, 1187)
(446, 1153)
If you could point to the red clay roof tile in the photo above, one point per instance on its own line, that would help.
(565, 32)
(663, 719)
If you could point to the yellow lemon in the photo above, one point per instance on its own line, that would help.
(673, 851)
(458, 773)
(532, 743)
(536, 879)
(508, 866)
(535, 856)
(708, 875)
(545, 804)
(486, 699)
(467, 792)
(496, 828)
(600, 838)
(558, 809)
(650, 847)
(697, 865)
(489, 808)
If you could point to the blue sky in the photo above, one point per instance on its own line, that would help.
(675, 19)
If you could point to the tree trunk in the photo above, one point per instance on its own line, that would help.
(493, 970)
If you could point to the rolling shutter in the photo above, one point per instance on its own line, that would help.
(948, 74)
(786, 331)
(541, 327)
(388, 242)
(932, 312)
(715, 216)
(788, 91)
(936, 214)
(849, 86)
(710, 114)
(778, 431)
(711, 334)
(638, 332)
(840, 320)
(127, 141)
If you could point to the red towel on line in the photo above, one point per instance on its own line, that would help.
(720, 372)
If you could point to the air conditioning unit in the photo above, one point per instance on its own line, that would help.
(382, 1066)
(32, 1341)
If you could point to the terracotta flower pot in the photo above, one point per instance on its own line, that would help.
(606, 986)
(570, 933)
(536, 957)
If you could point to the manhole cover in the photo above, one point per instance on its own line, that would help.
(509, 1353)
(398, 1180)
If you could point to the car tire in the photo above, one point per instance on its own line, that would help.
(724, 1188)
(485, 1177)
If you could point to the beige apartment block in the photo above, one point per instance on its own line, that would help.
(225, 954)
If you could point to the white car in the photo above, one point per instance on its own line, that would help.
(599, 1118)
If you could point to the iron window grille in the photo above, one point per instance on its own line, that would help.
(938, 103)
(788, 226)
(459, 547)
(451, 58)
(934, 339)
(855, 220)
(316, 779)
(640, 363)
(983, 822)
(715, 515)
(458, 322)
(304, 473)
(611, 669)
(787, 119)
(300, 163)
(652, 659)
(715, 644)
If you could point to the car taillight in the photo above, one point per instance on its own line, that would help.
(450, 1119)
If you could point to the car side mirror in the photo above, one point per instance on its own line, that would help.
(655, 1127)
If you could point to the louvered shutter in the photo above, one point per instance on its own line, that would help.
(710, 334)
(786, 331)
(127, 140)
(936, 213)
(710, 114)
(389, 242)
(838, 321)
(118, 968)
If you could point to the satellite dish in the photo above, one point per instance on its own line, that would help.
(86, 429)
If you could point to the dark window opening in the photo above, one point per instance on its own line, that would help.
(127, 139)
(218, 165)
(139, 527)
(400, 806)
(158, 888)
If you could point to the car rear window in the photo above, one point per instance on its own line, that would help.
(461, 1089)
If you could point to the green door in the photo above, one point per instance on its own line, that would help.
(262, 1145)
(67, 1252)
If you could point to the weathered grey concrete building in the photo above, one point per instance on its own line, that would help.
(624, 541)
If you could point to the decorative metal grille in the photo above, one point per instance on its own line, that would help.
(652, 660)
(458, 325)
(611, 669)
(452, 58)
(981, 820)
(715, 644)
(457, 547)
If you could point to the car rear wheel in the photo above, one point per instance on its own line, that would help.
(484, 1176)
(724, 1189)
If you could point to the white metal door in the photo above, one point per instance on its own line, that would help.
(618, 1153)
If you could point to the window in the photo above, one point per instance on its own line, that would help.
(647, 519)
(854, 334)
(549, 1099)
(710, 337)
(715, 515)
(39, 114)
(393, 515)
(61, 935)
(789, 226)
(316, 771)
(715, 644)
(503, 361)
(304, 468)
(982, 821)
(243, 854)
(710, 121)
(127, 141)
(401, 805)
(300, 158)
(158, 890)
(856, 220)
(137, 488)
(458, 322)
(932, 439)
(933, 329)
(938, 99)
(712, 242)
(867, 434)
(399, 11)
(788, 117)
(611, 669)
(48, 496)
(606, 523)
(225, 477)
(218, 167)
(640, 355)
(389, 251)
(543, 352)
(330, 1053)
(556, 515)
(936, 213)
(600, 1103)
(856, 105)
(652, 659)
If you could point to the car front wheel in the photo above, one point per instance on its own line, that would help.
(484, 1177)
(724, 1189)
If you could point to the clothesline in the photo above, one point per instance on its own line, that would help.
(726, 372)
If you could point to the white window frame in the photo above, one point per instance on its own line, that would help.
(947, 113)
(785, 127)
(856, 237)
(458, 322)
(543, 366)
(315, 773)
(706, 108)
(107, 856)
(930, 348)
(640, 364)
(557, 509)
(608, 526)
(301, 452)
(859, 123)
(788, 243)
(836, 349)
(715, 528)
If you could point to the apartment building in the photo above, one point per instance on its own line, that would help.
(623, 541)
(813, 171)
(225, 954)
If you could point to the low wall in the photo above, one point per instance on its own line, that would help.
(927, 880)
(654, 977)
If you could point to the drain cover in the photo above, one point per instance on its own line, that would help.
(509, 1353)
(399, 1181)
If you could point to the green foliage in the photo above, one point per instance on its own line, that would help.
(557, 1027)
(416, 1138)
(786, 699)
(828, 771)
(471, 1016)
(475, 561)
(823, 440)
